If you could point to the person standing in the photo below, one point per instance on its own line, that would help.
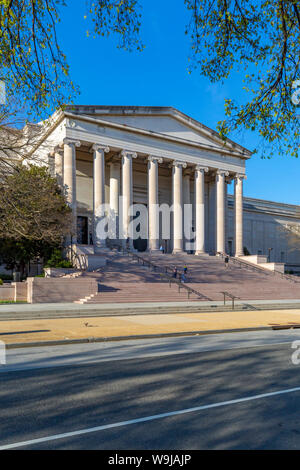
(175, 273)
(226, 261)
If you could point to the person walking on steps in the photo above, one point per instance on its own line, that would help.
(226, 261)
(175, 273)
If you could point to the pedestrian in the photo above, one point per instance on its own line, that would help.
(226, 261)
(175, 273)
(185, 269)
(161, 249)
(183, 278)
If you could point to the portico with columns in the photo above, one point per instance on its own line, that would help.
(149, 156)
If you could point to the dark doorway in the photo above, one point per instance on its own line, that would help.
(82, 230)
(140, 244)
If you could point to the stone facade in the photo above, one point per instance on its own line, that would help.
(152, 155)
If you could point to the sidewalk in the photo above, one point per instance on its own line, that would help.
(70, 308)
(62, 329)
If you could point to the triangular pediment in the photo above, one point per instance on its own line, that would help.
(159, 121)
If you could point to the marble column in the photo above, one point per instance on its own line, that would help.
(200, 209)
(153, 202)
(238, 209)
(221, 210)
(69, 147)
(99, 194)
(187, 210)
(127, 195)
(212, 206)
(59, 166)
(177, 207)
(114, 191)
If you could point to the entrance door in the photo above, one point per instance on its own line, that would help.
(140, 244)
(82, 230)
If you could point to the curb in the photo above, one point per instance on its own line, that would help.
(137, 337)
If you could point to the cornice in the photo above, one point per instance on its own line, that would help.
(157, 135)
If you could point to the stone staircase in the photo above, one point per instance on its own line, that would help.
(124, 280)
(209, 275)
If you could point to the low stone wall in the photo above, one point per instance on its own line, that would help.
(7, 292)
(20, 291)
(47, 290)
(58, 272)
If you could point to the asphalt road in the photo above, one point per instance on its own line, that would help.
(222, 387)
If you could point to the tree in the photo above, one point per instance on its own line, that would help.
(32, 63)
(32, 207)
(35, 71)
(259, 39)
(17, 254)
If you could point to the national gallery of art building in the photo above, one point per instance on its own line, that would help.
(157, 156)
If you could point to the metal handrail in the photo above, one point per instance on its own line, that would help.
(260, 269)
(180, 284)
(231, 296)
(166, 269)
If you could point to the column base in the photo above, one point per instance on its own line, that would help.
(200, 252)
(177, 251)
(101, 249)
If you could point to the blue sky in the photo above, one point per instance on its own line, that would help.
(158, 77)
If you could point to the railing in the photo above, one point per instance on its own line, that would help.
(257, 268)
(231, 296)
(166, 272)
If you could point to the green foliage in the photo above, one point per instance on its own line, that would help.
(56, 260)
(34, 216)
(261, 40)
(33, 64)
(32, 207)
(258, 39)
(121, 17)
(6, 277)
(16, 254)
(1, 282)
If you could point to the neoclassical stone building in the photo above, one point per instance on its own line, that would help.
(158, 155)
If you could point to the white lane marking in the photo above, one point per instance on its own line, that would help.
(145, 419)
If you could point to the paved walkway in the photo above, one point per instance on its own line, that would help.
(102, 308)
(27, 331)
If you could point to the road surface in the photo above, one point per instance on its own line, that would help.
(230, 391)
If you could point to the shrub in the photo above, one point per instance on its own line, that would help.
(6, 277)
(56, 260)
(1, 282)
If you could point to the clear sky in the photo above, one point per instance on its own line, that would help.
(158, 77)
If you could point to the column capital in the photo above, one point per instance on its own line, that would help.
(153, 158)
(70, 142)
(128, 154)
(57, 149)
(100, 147)
(203, 169)
(178, 164)
(240, 176)
(222, 172)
